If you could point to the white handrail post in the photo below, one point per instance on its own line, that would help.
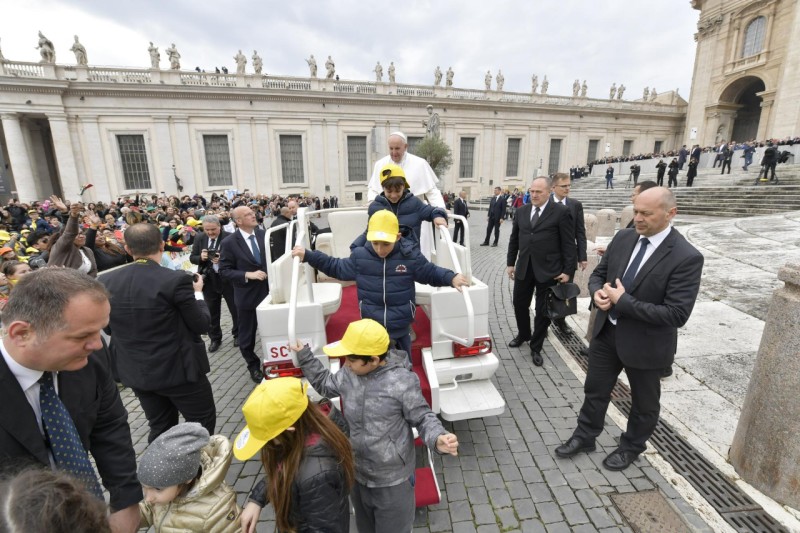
(464, 291)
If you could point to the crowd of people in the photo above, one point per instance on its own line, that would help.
(67, 371)
(682, 152)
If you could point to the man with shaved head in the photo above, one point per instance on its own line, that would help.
(421, 178)
(243, 263)
(644, 288)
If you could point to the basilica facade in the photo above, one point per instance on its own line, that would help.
(746, 81)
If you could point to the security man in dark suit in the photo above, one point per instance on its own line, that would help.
(64, 345)
(157, 317)
(543, 235)
(644, 288)
(461, 208)
(497, 213)
(205, 254)
(561, 188)
(243, 263)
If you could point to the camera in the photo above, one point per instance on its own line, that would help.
(212, 254)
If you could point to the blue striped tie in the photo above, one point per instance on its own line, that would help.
(630, 274)
(65, 443)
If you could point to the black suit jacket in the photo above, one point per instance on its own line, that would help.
(155, 326)
(90, 395)
(549, 246)
(497, 208)
(236, 259)
(460, 207)
(213, 281)
(658, 302)
(277, 242)
(579, 226)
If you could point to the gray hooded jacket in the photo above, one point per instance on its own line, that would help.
(381, 408)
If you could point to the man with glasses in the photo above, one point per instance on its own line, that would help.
(542, 234)
(561, 189)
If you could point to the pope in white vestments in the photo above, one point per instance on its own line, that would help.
(421, 180)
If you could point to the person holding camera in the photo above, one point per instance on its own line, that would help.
(205, 254)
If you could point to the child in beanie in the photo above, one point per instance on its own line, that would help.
(183, 476)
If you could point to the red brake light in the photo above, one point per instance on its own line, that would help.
(481, 346)
(281, 370)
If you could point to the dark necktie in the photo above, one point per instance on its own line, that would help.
(630, 274)
(254, 247)
(535, 218)
(213, 244)
(65, 443)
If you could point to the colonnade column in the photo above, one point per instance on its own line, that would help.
(18, 156)
(65, 157)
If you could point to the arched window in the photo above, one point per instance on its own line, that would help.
(754, 37)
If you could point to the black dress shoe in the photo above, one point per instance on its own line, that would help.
(495, 244)
(537, 358)
(574, 446)
(484, 244)
(584, 351)
(667, 372)
(619, 460)
(214, 346)
(518, 341)
(236, 342)
(256, 375)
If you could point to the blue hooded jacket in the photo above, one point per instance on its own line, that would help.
(410, 210)
(385, 286)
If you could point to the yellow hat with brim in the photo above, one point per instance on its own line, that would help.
(363, 337)
(390, 170)
(4, 236)
(271, 408)
(383, 226)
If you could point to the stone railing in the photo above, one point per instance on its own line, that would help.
(208, 79)
(117, 75)
(363, 87)
(416, 90)
(22, 70)
(470, 94)
(121, 75)
(290, 84)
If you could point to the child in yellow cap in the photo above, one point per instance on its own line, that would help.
(397, 198)
(381, 401)
(307, 459)
(385, 269)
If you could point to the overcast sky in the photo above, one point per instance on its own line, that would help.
(603, 41)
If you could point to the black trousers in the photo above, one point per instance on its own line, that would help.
(248, 329)
(673, 179)
(604, 368)
(726, 163)
(214, 302)
(492, 224)
(660, 179)
(524, 290)
(195, 401)
(459, 228)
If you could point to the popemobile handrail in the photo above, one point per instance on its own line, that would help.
(445, 233)
(467, 252)
(302, 240)
(267, 236)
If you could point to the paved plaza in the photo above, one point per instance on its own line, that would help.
(506, 477)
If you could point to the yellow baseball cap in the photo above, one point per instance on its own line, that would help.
(383, 226)
(363, 337)
(4, 235)
(272, 407)
(390, 170)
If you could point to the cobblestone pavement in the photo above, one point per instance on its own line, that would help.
(506, 476)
